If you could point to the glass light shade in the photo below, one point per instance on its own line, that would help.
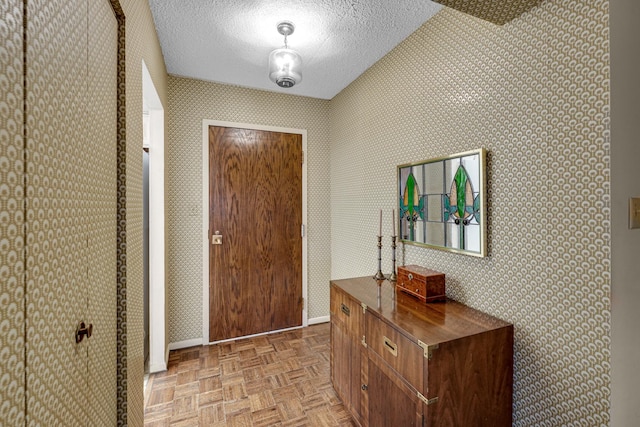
(285, 67)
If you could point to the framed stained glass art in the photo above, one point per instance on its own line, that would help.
(442, 203)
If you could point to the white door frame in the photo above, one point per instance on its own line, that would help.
(205, 216)
(158, 349)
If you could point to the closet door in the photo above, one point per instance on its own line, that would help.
(11, 215)
(101, 154)
(56, 286)
(70, 212)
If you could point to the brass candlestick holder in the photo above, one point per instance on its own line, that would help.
(393, 276)
(379, 275)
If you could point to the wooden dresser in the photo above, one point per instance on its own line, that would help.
(396, 361)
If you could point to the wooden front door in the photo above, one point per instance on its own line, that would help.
(255, 205)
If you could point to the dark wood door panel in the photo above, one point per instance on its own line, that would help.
(392, 402)
(255, 202)
(461, 372)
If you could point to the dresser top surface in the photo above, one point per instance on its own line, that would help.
(432, 323)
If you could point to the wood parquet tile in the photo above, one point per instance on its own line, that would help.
(281, 379)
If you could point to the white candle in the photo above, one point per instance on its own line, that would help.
(393, 222)
(380, 232)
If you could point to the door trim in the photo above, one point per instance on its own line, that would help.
(205, 215)
(158, 353)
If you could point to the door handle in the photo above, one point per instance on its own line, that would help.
(216, 239)
(391, 346)
(82, 331)
(345, 309)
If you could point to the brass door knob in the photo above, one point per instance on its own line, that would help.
(82, 331)
(216, 239)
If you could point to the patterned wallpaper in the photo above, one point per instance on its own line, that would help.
(70, 223)
(535, 93)
(101, 195)
(496, 11)
(141, 42)
(12, 327)
(191, 101)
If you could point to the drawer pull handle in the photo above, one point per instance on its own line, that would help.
(345, 309)
(391, 346)
(410, 276)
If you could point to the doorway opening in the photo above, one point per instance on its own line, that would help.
(156, 353)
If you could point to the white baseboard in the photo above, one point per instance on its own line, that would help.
(185, 344)
(321, 319)
(198, 341)
(160, 367)
(157, 368)
(254, 335)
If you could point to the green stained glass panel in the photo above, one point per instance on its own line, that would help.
(441, 203)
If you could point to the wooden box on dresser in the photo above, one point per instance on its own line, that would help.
(396, 361)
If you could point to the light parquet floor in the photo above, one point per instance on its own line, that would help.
(281, 379)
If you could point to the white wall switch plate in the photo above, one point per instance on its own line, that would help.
(634, 212)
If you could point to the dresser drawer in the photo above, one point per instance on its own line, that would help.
(404, 356)
(346, 310)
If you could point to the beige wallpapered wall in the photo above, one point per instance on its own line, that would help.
(535, 94)
(496, 11)
(191, 101)
(141, 44)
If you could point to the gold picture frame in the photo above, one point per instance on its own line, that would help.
(442, 203)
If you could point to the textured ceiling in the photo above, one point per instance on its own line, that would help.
(229, 41)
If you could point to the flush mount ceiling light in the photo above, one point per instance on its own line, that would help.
(285, 65)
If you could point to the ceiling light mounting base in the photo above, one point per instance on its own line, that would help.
(286, 28)
(285, 82)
